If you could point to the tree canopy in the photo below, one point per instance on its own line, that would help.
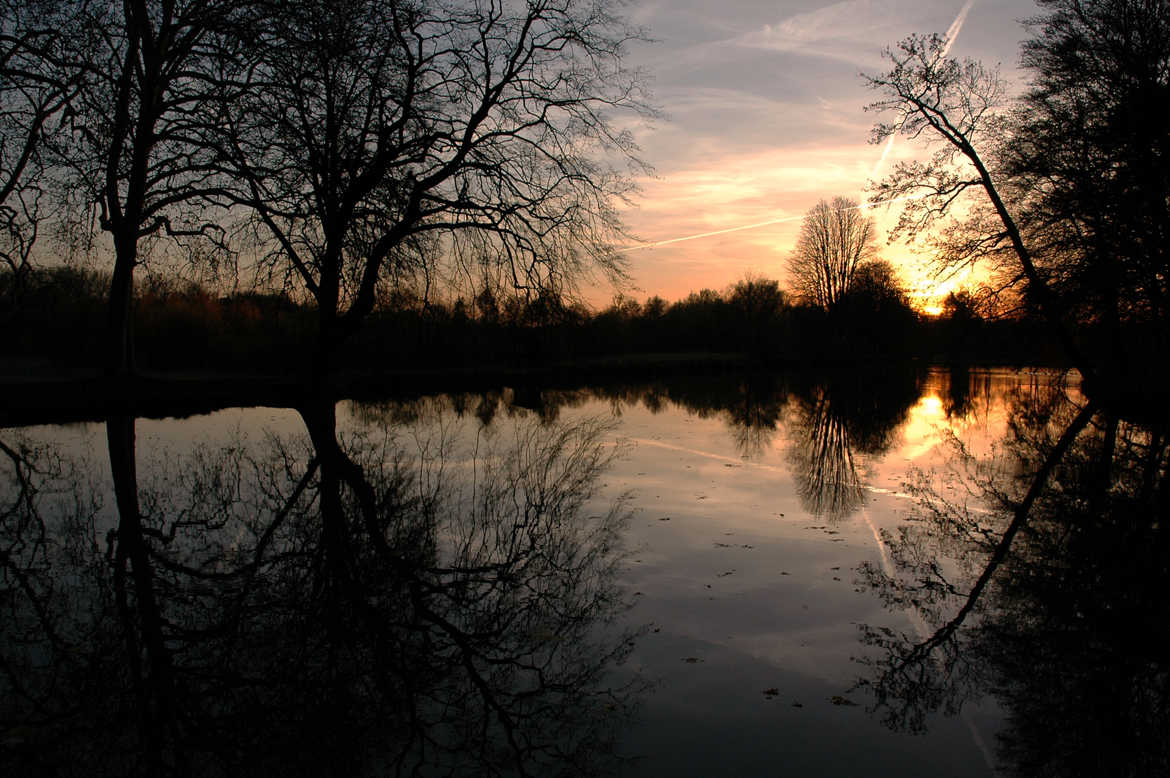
(835, 239)
(371, 139)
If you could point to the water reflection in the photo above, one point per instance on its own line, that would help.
(356, 603)
(832, 421)
(754, 414)
(426, 585)
(1039, 571)
(834, 424)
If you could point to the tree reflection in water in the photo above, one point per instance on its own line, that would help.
(754, 413)
(1041, 573)
(321, 605)
(835, 422)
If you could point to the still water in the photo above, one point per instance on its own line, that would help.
(782, 575)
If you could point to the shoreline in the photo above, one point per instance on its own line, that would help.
(40, 392)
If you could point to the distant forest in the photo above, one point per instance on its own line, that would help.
(185, 326)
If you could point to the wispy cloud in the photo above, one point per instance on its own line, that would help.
(851, 31)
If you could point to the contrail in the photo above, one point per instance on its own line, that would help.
(781, 220)
(956, 25)
(952, 34)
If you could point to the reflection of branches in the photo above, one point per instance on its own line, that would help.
(754, 414)
(25, 541)
(958, 402)
(827, 479)
(999, 553)
(907, 670)
(50, 623)
(833, 422)
(1072, 630)
(333, 603)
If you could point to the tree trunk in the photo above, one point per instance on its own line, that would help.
(334, 574)
(119, 334)
(142, 623)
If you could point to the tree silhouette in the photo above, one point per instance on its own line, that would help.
(1065, 195)
(33, 94)
(1088, 163)
(372, 137)
(835, 238)
(758, 303)
(135, 148)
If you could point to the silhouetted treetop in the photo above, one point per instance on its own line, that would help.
(33, 96)
(372, 137)
(1065, 190)
(835, 239)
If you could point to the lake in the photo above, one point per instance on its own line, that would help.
(766, 575)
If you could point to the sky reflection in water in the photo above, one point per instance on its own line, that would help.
(787, 544)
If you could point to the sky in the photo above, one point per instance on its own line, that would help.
(764, 116)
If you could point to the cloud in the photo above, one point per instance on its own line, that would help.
(853, 31)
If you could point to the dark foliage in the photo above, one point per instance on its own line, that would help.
(182, 326)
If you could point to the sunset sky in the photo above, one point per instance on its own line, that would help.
(765, 116)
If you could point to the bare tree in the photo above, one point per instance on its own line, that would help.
(139, 125)
(835, 238)
(33, 94)
(371, 136)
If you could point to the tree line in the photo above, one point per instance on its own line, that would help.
(182, 325)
